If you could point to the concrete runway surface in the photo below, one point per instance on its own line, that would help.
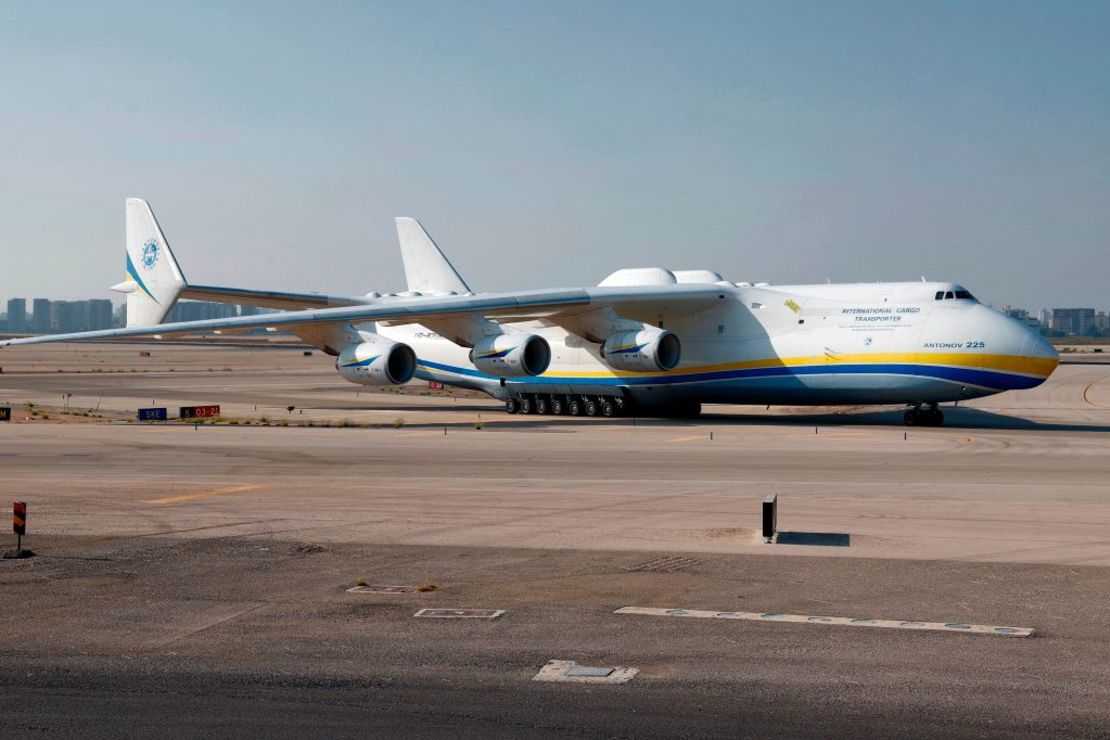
(192, 580)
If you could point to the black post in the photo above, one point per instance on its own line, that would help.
(770, 517)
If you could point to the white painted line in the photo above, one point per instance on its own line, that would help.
(459, 613)
(971, 629)
(381, 589)
(567, 671)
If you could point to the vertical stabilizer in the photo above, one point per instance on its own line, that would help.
(154, 279)
(426, 269)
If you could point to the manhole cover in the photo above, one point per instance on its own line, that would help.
(381, 590)
(460, 613)
(669, 564)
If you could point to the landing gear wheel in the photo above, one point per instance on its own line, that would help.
(607, 407)
(541, 405)
(591, 407)
(557, 407)
(526, 405)
(512, 406)
(574, 407)
(919, 417)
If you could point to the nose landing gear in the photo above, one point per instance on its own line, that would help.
(919, 416)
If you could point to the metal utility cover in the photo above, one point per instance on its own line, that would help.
(567, 671)
(585, 671)
(459, 613)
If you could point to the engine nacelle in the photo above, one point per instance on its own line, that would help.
(377, 361)
(511, 355)
(647, 350)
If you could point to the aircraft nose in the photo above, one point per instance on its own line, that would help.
(1011, 337)
(1037, 346)
(1034, 357)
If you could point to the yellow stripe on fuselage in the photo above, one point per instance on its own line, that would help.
(1037, 366)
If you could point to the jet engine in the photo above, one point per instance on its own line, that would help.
(646, 350)
(511, 355)
(377, 361)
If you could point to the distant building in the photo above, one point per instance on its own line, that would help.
(69, 316)
(1073, 321)
(17, 315)
(99, 312)
(41, 318)
(200, 311)
(1020, 314)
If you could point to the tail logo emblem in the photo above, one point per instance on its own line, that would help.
(150, 254)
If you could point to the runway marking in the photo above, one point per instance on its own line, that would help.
(227, 490)
(1087, 389)
(688, 439)
(382, 589)
(971, 629)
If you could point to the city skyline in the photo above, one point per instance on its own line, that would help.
(45, 315)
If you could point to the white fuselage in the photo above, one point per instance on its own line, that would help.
(796, 345)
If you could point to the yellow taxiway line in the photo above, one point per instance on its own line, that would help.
(242, 488)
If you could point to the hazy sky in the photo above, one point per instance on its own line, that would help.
(549, 143)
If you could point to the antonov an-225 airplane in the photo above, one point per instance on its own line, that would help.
(647, 340)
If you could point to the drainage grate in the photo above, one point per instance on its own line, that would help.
(669, 564)
(460, 613)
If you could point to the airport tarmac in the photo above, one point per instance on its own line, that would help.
(194, 578)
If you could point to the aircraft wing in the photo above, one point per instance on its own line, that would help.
(268, 298)
(646, 304)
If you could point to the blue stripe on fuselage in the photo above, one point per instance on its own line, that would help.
(996, 380)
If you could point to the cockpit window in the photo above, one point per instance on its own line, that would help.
(949, 295)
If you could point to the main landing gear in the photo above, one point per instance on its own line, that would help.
(560, 405)
(919, 416)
